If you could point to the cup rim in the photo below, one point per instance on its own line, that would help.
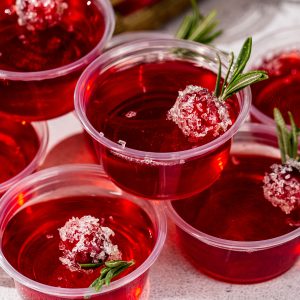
(118, 53)
(261, 117)
(260, 43)
(247, 246)
(42, 130)
(65, 170)
(129, 36)
(109, 23)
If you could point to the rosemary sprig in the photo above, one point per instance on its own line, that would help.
(91, 265)
(112, 269)
(235, 80)
(199, 28)
(287, 138)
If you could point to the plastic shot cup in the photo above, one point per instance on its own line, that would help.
(279, 54)
(230, 232)
(50, 197)
(45, 93)
(150, 74)
(23, 147)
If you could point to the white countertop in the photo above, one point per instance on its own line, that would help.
(172, 277)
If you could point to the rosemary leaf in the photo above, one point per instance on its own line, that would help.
(103, 272)
(98, 284)
(242, 58)
(91, 265)
(281, 144)
(231, 60)
(207, 40)
(109, 276)
(115, 263)
(196, 16)
(208, 29)
(199, 28)
(206, 21)
(282, 134)
(238, 81)
(120, 270)
(294, 137)
(185, 28)
(196, 11)
(241, 81)
(217, 87)
(112, 269)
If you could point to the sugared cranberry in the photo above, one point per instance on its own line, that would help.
(282, 186)
(84, 241)
(198, 113)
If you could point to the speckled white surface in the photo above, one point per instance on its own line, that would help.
(172, 277)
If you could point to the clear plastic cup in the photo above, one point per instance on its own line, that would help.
(42, 95)
(281, 90)
(126, 37)
(48, 187)
(23, 149)
(242, 259)
(154, 175)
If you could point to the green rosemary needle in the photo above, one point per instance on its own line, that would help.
(287, 138)
(111, 269)
(199, 28)
(235, 80)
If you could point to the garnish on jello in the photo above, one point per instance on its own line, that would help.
(39, 14)
(199, 28)
(282, 184)
(87, 245)
(198, 112)
(112, 269)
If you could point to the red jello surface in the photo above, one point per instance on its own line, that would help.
(76, 34)
(234, 209)
(131, 105)
(19, 144)
(31, 240)
(282, 89)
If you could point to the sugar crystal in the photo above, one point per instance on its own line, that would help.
(122, 143)
(39, 14)
(130, 114)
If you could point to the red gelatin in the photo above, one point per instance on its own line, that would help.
(37, 97)
(19, 145)
(34, 250)
(282, 89)
(234, 209)
(131, 107)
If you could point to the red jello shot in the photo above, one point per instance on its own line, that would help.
(22, 150)
(230, 231)
(123, 100)
(55, 220)
(279, 55)
(44, 47)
